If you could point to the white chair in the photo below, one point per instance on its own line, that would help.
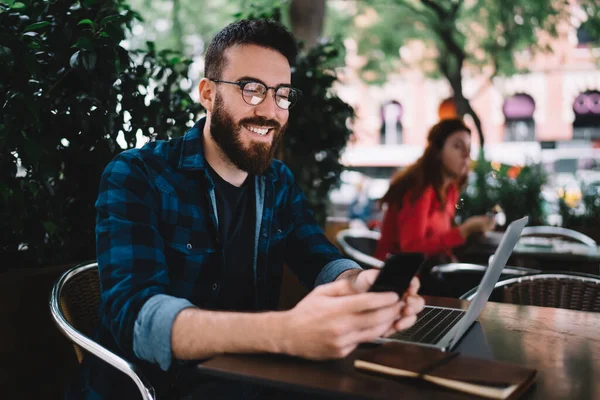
(360, 245)
(558, 232)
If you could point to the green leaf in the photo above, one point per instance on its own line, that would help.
(36, 26)
(83, 43)
(6, 53)
(9, 2)
(89, 60)
(50, 227)
(111, 19)
(18, 6)
(86, 22)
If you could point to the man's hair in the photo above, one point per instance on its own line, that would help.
(264, 33)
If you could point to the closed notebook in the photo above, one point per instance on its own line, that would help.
(485, 378)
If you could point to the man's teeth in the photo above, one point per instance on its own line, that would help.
(258, 131)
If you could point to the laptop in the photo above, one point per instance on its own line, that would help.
(443, 327)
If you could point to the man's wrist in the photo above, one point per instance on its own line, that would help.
(279, 339)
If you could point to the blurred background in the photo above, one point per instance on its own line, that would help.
(84, 80)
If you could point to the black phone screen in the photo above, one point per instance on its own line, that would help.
(397, 272)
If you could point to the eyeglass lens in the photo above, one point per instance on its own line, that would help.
(255, 92)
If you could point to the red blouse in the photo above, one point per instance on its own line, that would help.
(420, 226)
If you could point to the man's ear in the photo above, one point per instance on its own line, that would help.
(206, 89)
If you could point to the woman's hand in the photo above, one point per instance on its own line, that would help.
(477, 224)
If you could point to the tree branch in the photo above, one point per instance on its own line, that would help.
(439, 10)
(418, 12)
(456, 8)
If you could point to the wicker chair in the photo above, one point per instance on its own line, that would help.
(359, 245)
(574, 291)
(557, 232)
(453, 279)
(74, 305)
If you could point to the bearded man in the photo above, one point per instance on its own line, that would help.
(192, 234)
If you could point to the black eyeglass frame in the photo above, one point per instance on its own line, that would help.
(242, 84)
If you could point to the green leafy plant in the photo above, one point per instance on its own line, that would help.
(516, 190)
(586, 216)
(480, 194)
(72, 97)
(521, 195)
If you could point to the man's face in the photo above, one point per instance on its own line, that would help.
(249, 135)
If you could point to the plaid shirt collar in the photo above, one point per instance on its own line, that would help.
(192, 151)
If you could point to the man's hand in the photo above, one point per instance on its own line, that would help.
(332, 320)
(412, 303)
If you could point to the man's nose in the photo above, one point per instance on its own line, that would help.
(268, 108)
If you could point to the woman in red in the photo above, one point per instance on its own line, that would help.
(421, 199)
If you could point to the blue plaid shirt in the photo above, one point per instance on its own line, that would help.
(158, 253)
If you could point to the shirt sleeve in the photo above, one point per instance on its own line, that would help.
(309, 254)
(130, 251)
(334, 269)
(153, 327)
(413, 220)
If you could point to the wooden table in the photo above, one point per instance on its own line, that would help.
(563, 345)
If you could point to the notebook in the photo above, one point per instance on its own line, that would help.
(451, 370)
(442, 327)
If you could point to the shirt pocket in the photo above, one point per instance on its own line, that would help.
(191, 258)
(281, 228)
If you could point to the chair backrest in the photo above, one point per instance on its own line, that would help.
(454, 279)
(79, 301)
(558, 232)
(360, 245)
(74, 302)
(574, 291)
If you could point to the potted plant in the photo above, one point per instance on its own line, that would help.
(72, 97)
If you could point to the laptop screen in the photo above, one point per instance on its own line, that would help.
(491, 276)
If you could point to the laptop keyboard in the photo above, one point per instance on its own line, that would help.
(432, 324)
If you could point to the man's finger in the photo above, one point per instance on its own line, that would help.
(363, 302)
(371, 334)
(342, 287)
(414, 305)
(415, 285)
(365, 279)
(405, 322)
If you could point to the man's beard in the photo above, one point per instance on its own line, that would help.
(257, 157)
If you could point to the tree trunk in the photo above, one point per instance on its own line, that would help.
(307, 18)
(463, 106)
(177, 28)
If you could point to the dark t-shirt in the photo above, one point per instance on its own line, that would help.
(236, 211)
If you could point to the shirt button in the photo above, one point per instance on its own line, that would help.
(215, 286)
(189, 246)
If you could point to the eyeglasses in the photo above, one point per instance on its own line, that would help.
(255, 93)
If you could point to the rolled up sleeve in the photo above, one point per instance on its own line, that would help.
(153, 326)
(331, 271)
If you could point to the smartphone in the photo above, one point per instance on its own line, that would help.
(397, 272)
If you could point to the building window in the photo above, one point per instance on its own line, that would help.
(391, 126)
(585, 34)
(587, 116)
(518, 112)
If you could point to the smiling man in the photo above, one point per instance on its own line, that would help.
(192, 234)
